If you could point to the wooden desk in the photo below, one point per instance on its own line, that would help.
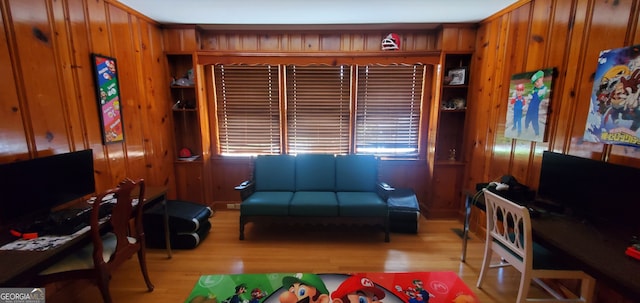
(17, 266)
(598, 250)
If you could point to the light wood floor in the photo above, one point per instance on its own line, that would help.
(305, 249)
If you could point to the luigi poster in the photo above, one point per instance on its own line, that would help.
(528, 105)
(407, 287)
(614, 111)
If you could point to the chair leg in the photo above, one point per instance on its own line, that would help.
(143, 267)
(587, 289)
(102, 281)
(486, 262)
(242, 222)
(523, 291)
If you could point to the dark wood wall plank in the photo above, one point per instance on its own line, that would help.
(49, 100)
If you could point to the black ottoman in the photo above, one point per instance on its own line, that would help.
(404, 211)
(188, 224)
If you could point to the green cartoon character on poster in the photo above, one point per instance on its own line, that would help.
(304, 288)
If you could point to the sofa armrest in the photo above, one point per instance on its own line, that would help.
(384, 190)
(246, 188)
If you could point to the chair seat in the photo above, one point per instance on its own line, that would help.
(83, 258)
(543, 258)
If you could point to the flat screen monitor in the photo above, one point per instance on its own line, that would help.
(33, 187)
(592, 190)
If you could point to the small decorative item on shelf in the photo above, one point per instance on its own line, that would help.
(452, 154)
(448, 105)
(186, 80)
(185, 154)
(446, 80)
(458, 76)
(455, 103)
(181, 104)
(459, 103)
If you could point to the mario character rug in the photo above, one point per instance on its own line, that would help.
(406, 287)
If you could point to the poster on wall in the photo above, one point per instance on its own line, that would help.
(614, 114)
(108, 96)
(528, 105)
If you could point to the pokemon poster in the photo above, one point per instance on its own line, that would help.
(614, 114)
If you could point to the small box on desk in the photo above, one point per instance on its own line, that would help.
(404, 211)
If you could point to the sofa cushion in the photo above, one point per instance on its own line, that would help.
(274, 173)
(314, 203)
(266, 203)
(315, 172)
(356, 173)
(361, 204)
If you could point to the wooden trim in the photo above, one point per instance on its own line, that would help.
(333, 58)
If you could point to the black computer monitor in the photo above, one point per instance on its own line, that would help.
(593, 190)
(33, 187)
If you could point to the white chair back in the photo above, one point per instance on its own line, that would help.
(509, 224)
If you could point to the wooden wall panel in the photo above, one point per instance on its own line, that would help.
(323, 41)
(132, 161)
(13, 135)
(538, 34)
(569, 36)
(596, 27)
(155, 120)
(37, 61)
(182, 38)
(49, 100)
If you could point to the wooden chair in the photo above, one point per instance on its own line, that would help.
(97, 260)
(509, 235)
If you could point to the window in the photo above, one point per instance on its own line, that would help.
(318, 109)
(248, 109)
(314, 108)
(388, 109)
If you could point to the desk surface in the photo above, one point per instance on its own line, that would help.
(598, 250)
(16, 266)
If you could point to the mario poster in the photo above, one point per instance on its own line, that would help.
(407, 287)
(528, 105)
(108, 98)
(614, 112)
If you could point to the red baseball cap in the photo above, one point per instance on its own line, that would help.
(354, 284)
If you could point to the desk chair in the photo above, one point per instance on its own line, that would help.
(97, 260)
(509, 235)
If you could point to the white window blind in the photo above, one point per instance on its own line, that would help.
(248, 112)
(318, 99)
(388, 109)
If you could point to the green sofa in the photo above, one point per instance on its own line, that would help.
(315, 188)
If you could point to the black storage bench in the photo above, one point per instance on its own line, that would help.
(188, 224)
(404, 211)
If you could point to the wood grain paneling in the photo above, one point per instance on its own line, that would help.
(566, 35)
(324, 41)
(13, 137)
(181, 39)
(33, 33)
(49, 101)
